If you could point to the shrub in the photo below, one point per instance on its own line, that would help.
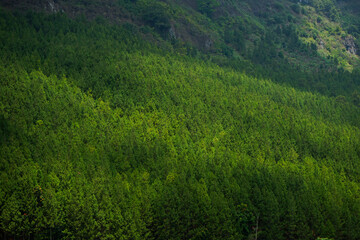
(156, 14)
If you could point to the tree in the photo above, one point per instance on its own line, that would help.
(207, 7)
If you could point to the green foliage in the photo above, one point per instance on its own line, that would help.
(207, 7)
(156, 14)
(234, 35)
(107, 136)
(296, 8)
(328, 7)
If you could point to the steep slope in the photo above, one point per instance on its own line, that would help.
(320, 28)
(176, 120)
(309, 45)
(114, 131)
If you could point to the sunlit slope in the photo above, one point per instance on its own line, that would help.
(105, 136)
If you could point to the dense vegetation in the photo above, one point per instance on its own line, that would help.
(116, 132)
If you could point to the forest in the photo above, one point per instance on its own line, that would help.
(115, 131)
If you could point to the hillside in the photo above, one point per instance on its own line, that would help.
(321, 30)
(179, 119)
(304, 44)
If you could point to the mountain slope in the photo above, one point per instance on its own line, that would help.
(309, 45)
(114, 131)
(321, 28)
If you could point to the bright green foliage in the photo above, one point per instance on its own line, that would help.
(106, 136)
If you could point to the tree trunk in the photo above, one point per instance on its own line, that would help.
(257, 226)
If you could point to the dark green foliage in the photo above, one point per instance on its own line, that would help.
(296, 8)
(207, 7)
(226, 50)
(156, 14)
(106, 136)
(233, 35)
